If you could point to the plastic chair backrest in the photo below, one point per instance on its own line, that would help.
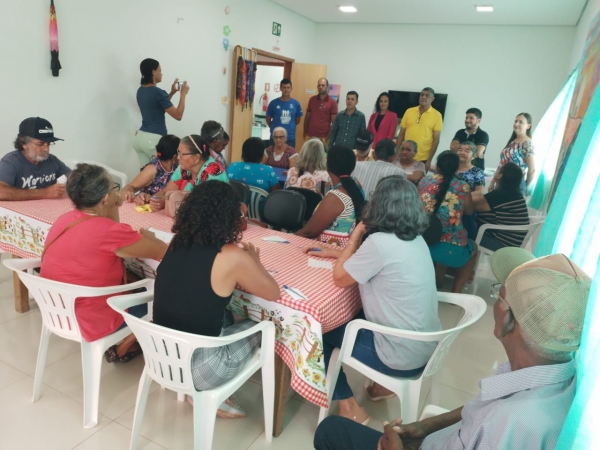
(284, 209)
(312, 200)
(118, 176)
(241, 190)
(168, 352)
(257, 197)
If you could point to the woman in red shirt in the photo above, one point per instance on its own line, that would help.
(383, 122)
(85, 247)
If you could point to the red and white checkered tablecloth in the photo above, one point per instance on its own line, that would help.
(24, 226)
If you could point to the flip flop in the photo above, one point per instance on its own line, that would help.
(379, 398)
(129, 356)
(111, 354)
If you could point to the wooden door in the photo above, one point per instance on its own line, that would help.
(304, 86)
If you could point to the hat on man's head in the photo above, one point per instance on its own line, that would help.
(363, 139)
(548, 297)
(38, 128)
(507, 259)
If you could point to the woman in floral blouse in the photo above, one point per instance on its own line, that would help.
(520, 151)
(455, 249)
(474, 176)
(310, 171)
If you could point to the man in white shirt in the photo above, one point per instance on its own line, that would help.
(368, 173)
(538, 317)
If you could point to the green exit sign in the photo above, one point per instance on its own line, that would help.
(276, 29)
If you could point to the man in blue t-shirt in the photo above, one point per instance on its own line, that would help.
(285, 112)
(30, 172)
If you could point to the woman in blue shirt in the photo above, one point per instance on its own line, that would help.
(251, 171)
(153, 103)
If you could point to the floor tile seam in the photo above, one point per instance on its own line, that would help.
(13, 382)
(32, 374)
(97, 430)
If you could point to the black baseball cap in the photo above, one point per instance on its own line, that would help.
(364, 138)
(38, 128)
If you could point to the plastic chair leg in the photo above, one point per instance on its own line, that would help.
(91, 358)
(180, 397)
(140, 407)
(41, 363)
(268, 385)
(330, 381)
(204, 419)
(409, 401)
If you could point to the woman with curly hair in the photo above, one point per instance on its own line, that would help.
(196, 165)
(196, 278)
(310, 171)
(335, 217)
(452, 199)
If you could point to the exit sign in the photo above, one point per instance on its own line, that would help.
(276, 29)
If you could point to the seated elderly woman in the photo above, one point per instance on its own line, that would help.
(280, 154)
(217, 139)
(472, 175)
(155, 175)
(310, 171)
(335, 217)
(396, 280)
(195, 166)
(504, 205)
(415, 170)
(451, 198)
(85, 246)
(251, 171)
(196, 278)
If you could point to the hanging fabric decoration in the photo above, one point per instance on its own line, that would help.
(249, 82)
(253, 86)
(54, 62)
(244, 70)
(238, 77)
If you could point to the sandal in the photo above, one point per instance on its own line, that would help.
(111, 354)
(129, 356)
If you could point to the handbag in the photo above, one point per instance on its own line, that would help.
(173, 200)
(433, 233)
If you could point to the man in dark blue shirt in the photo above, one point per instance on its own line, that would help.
(30, 172)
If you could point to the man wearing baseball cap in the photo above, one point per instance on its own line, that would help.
(363, 141)
(30, 172)
(538, 318)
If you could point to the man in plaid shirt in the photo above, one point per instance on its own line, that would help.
(347, 123)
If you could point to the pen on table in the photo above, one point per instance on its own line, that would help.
(314, 249)
(285, 286)
(135, 194)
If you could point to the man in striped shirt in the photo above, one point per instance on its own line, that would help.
(538, 317)
(368, 173)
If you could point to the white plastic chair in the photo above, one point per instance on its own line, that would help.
(168, 353)
(408, 390)
(118, 176)
(432, 411)
(57, 305)
(257, 197)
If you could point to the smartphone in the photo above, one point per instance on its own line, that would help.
(179, 84)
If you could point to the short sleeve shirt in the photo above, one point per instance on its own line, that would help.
(480, 137)
(253, 174)
(420, 128)
(396, 280)
(209, 171)
(284, 114)
(320, 115)
(18, 171)
(516, 152)
(153, 103)
(89, 247)
(474, 176)
(307, 180)
(283, 160)
(451, 210)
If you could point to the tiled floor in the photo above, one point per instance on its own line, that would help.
(55, 421)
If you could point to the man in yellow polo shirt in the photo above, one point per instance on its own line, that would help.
(422, 124)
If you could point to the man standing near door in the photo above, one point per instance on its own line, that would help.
(285, 112)
(320, 113)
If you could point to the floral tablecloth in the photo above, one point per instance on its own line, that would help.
(300, 324)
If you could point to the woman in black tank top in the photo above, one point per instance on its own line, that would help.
(196, 278)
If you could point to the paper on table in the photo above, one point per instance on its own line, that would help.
(61, 180)
(295, 293)
(162, 235)
(320, 264)
(275, 239)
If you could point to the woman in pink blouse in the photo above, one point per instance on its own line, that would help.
(383, 122)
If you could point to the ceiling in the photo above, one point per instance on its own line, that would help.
(454, 12)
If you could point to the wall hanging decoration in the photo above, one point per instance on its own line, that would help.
(54, 62)
(226, 30)
(225, 100)
(245, 78)
(227, 9)
(226, 44)
(224, 69)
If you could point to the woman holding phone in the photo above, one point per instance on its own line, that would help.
(153, 103)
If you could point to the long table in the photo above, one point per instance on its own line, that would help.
(299, 324)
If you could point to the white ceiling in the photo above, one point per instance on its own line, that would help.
(455, 12)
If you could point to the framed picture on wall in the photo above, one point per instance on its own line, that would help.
(334, 92)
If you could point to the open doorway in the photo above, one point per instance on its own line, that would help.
(269, 72)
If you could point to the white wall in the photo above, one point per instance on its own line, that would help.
(503, 70)
(92, 103)
(592, 8)
(266, 74)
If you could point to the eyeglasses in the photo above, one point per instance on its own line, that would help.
(116, 187)
(184, 154)
(495, 293)
(278, 137)
(41, 144)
